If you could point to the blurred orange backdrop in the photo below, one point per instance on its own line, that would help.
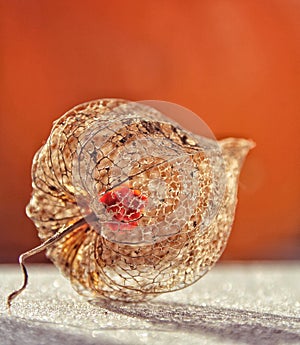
(234, 63)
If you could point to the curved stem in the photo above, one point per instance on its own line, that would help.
(56, 237)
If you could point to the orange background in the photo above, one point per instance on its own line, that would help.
(234, 63)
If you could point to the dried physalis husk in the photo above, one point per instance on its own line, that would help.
(128, 203)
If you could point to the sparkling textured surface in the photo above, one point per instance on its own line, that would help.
(234, 304)
(133, 251)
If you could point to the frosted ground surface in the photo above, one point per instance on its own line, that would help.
(233, 304)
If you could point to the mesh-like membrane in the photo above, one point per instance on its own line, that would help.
(158, 200)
